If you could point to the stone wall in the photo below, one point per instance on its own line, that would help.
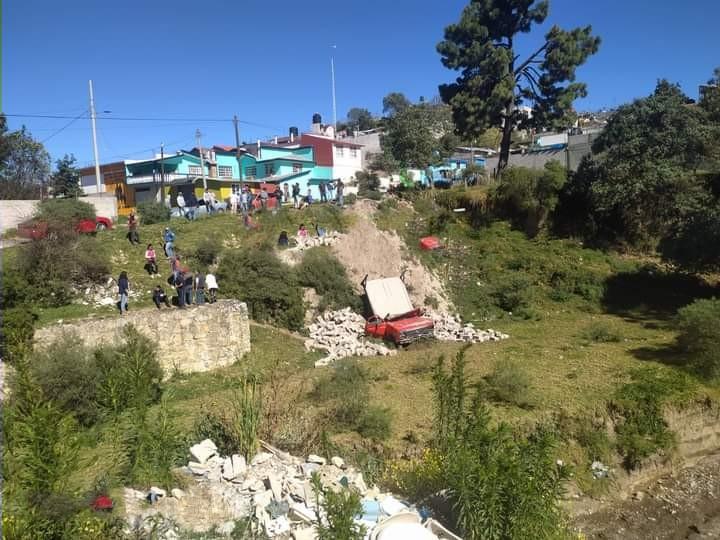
(197, 338)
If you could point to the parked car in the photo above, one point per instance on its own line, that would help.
(393, 316)
(35, 229)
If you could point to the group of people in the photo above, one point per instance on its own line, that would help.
(302, 235)
(192, 288)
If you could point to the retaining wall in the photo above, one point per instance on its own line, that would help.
(197, 338)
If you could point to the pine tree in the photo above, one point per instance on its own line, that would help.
(66, 180)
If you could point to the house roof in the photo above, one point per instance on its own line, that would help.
(336, 142)
(288, 157)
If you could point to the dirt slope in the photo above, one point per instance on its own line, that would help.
(366, 250)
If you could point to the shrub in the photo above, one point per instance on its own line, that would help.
(234, 427)
(438, 221)
(600, 333)
(512, 291)
(516, 484)
(269, 288)
(151, 212)
(207, 251)
(368, 183)
(66, 374)
(375, 423)
(699, 336)
(339, 509)
(129, 374)
(64, 213)
(350, 199)
(321, 270)
(16, 332)
(509, 383)
(576, 281)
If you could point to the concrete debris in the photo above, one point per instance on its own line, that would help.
(274, 489)
(341, 334)
(450, 328)
(203, 451)
(599, 470)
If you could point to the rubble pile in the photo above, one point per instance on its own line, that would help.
(275, 489)
(450, 328)
(102, 294)
(342, 333)
(314, 241)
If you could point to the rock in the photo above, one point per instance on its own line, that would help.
(309, 468)
(305, 533)
(262, 498)
(203, 451)
(228, 471)
(277, 526)
(197, 468)
(260, 458)
(302, 512)
(226, 529)
(238, 464)
(638, 495)
(275, 486)
(312, 458)
(338, 462)
(135, 494)
(158, 491)
(177, 493)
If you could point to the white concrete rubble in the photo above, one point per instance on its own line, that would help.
(450, 328)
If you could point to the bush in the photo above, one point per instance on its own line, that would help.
(16, 332)
(151, 212)
(699, 336)
(234, 427)
(350, 199)
(576, 281)
(269, 288)
(66, 373)
(339, 509)
(207, 251)
(600, 333)
(64, 213)
(129, 374)
(321, 270)
(513, 291)
(375, 423)
(509, 383)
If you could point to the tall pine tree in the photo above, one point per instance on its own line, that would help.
(66, 180)
(494, 80)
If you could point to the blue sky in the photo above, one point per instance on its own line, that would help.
(269, 63)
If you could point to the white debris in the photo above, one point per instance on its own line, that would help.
(274, 489)
(203, 451)
(450, 328)
(341, 334)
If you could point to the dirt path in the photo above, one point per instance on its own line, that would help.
(366, 250)
(685, 505)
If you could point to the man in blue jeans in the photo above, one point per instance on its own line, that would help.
(124, 290)
(169, 238)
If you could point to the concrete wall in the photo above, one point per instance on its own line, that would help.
(197, 338)
(13, 213)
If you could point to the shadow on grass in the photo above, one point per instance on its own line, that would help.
(670, 355)
(652, 295)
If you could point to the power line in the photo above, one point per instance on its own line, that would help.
(64, 127)
(143, 119)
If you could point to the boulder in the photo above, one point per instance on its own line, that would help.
(203, 451)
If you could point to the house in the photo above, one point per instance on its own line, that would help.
(113, 178)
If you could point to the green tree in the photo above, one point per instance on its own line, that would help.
(360, 119)
(420, 135)
(24, 164)
(494, 81)
(641, 179)
(65, 181)
(394, 103)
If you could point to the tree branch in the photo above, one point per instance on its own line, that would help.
(532, 57)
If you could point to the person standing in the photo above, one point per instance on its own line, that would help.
(133, 235)
(286, 193)
(179, 282)
(330, 189)
(208, 200)
(181, 204)
(264, 199)
(124, 291)
(245, 201)
(150, 260)
(296, 195)
(169, 239)
(323, 192)
(199, 286)
(192, 204)
(234, 199)
(188, 286)
(340, 193)
(212, 287)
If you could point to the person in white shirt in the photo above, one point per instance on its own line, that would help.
(234, 202)
(181, 203)
(212, 287)
(208, 197)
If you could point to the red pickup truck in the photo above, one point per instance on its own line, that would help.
(35, 229)
(393, 316)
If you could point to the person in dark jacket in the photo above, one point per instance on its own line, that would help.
(124, 291)
(159, 297)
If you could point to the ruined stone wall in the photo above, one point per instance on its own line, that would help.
(197, 338)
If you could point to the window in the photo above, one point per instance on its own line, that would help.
(194, 169)
(339, 151)
(297, 167)
(225, 171)
(269, 170)
(251, 172)
(353, 152)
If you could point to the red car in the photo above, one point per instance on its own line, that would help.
(35, 230)
(393, 316)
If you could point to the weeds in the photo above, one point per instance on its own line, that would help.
(509, 383)
(598, 332)
(699, 337)
(340, 509)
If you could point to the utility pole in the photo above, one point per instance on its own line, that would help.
(332, 73)
(202, 162)
(94, 136)
(237, 150)
(162, 173)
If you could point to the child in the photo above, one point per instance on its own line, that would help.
(302, 234)
(150, 262)
(283, 240)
